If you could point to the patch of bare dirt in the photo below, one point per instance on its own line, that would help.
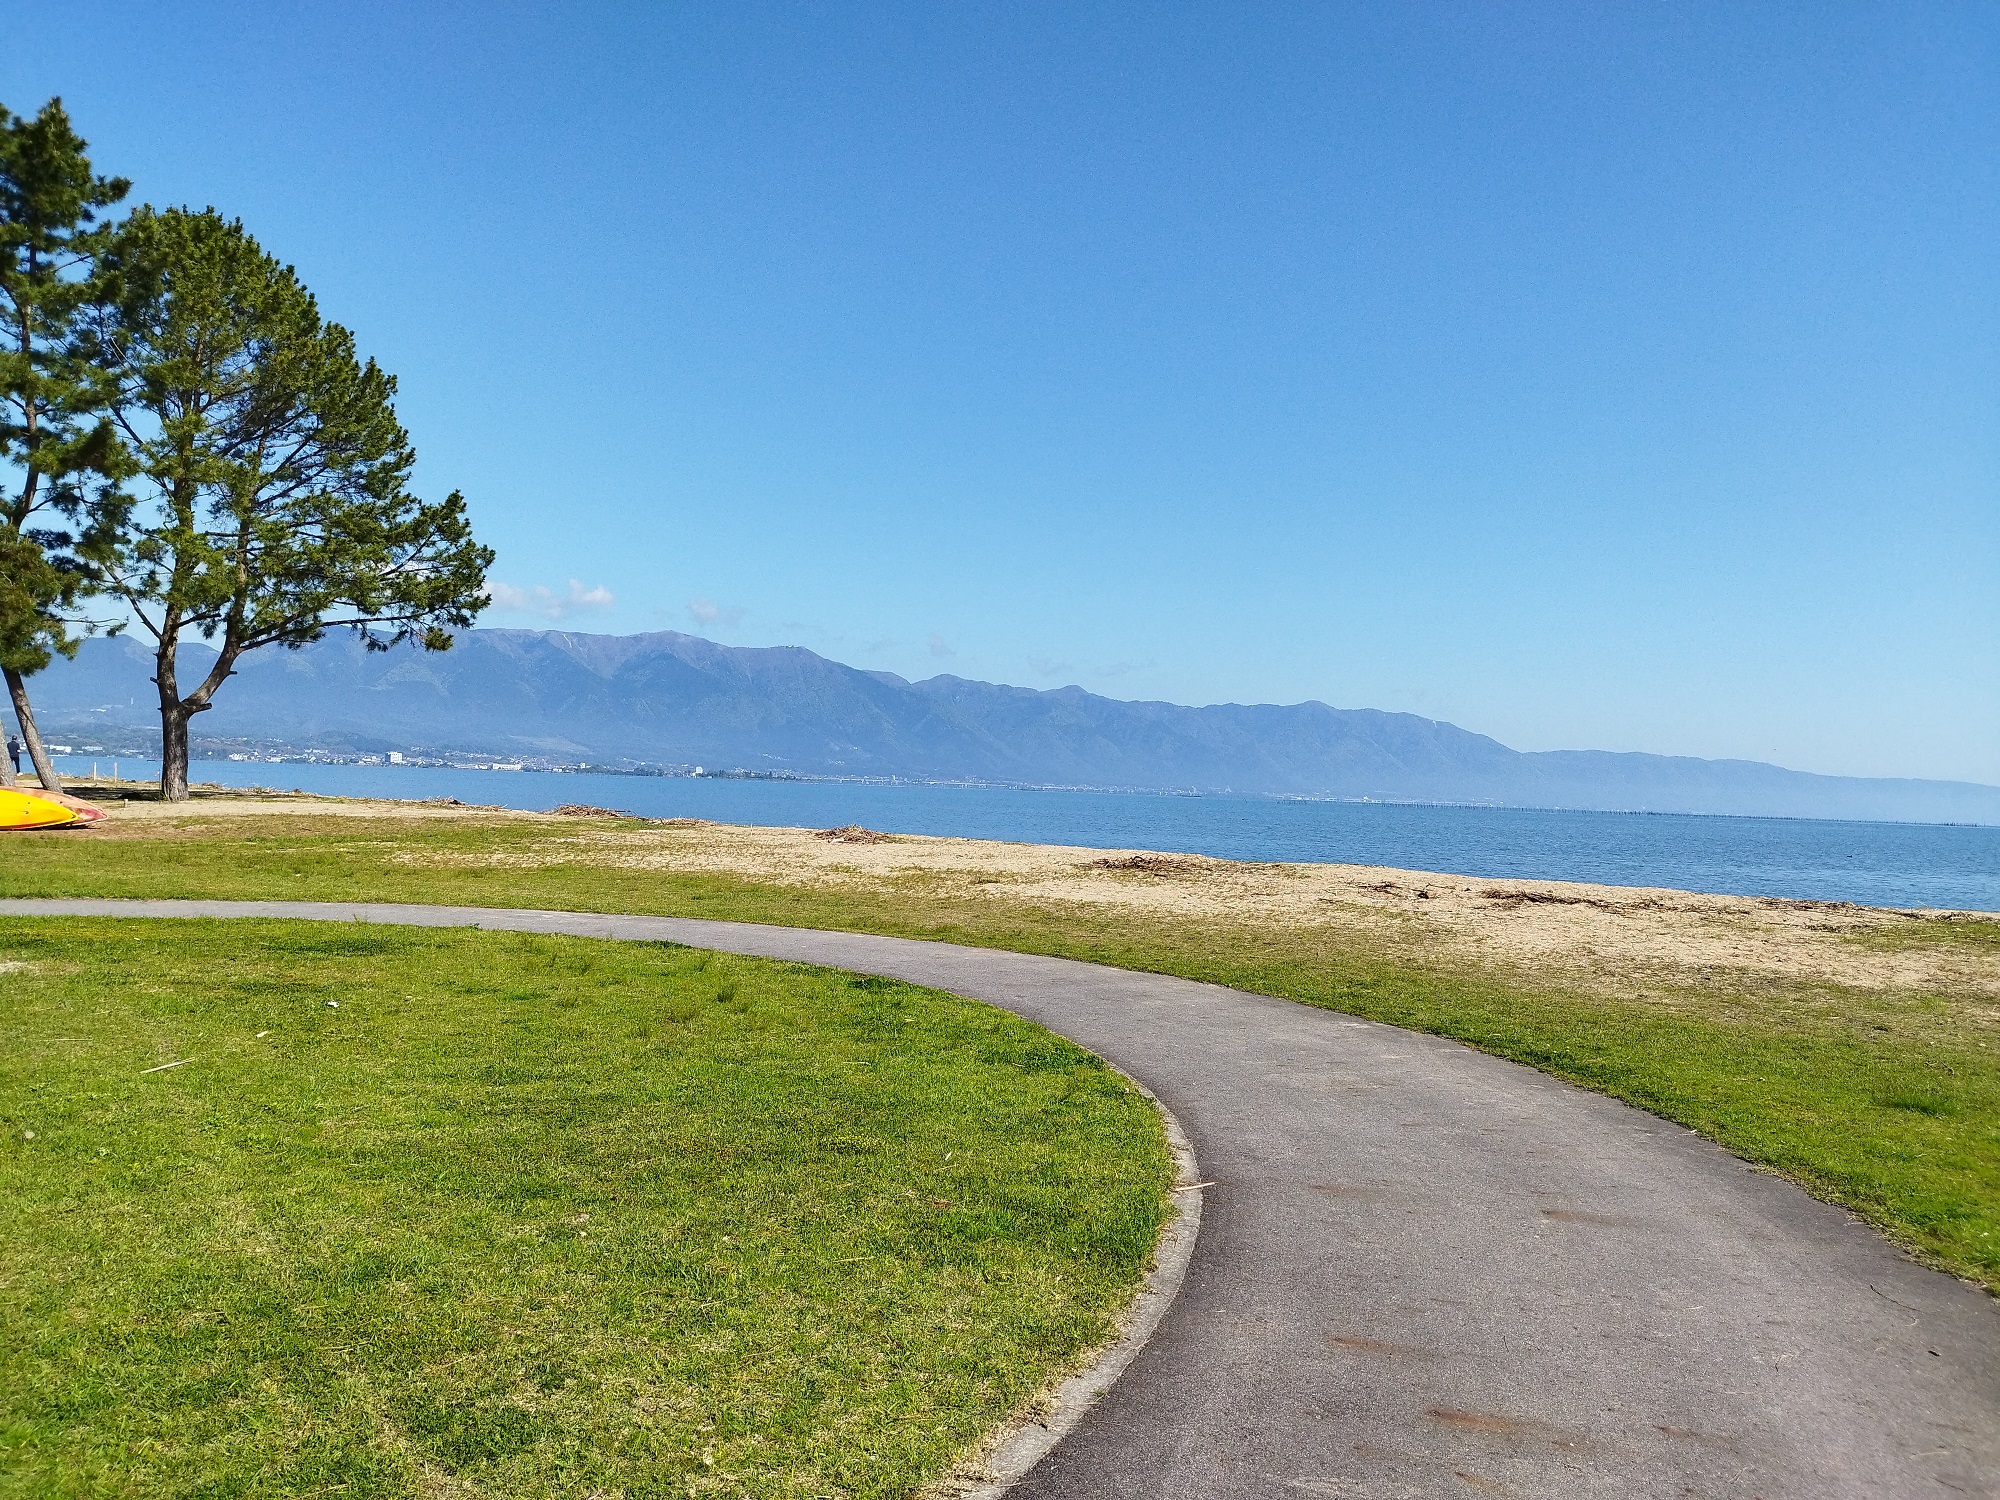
(148, 816)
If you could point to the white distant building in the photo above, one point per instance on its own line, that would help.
(395, 757)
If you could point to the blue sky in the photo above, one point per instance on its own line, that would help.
(1592, 376)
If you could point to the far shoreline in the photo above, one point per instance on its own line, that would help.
(68, 762)
(1868, 863)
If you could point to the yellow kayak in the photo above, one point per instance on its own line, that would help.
(39, 809)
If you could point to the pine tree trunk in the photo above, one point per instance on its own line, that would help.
(17, 689)
(173, 753)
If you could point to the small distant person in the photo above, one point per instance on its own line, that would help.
(14, 752)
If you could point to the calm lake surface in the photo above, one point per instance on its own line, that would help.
(1876, 864)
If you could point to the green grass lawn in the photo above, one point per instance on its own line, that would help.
(1888, 1103)
(442, 1213)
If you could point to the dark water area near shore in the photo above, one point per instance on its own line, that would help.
(1874, 864)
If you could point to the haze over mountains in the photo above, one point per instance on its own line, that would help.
(668, 699)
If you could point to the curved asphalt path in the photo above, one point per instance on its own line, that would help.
(1426, 1272)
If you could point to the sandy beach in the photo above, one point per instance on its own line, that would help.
(1635, 942)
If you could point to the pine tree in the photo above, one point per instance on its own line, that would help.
(52, 396)
(273, 497)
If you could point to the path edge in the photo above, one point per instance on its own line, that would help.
(1004, 1457)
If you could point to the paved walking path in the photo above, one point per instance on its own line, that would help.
(1426, 1272)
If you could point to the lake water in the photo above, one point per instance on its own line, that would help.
(1877, 864)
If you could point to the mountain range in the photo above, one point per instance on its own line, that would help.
(673, 700)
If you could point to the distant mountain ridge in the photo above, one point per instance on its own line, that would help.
(673, 699)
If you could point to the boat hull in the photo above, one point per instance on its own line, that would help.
(24, 811)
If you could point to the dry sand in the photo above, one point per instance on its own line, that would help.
(210, 803)
(1615, 938)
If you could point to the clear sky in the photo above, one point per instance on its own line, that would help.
(1604, 376)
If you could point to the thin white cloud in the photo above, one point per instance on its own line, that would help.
(1124, 668)
(938, 647)
(545, 603)
(707, 612)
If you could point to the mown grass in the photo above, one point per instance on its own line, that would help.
(1886, 1103)
(447, 1212)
